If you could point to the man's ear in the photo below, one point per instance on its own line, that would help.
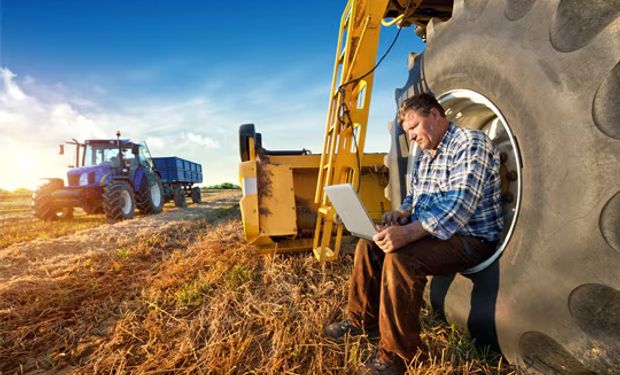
(433, 113)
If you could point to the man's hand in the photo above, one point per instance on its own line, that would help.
(397, 217)
(392, 238)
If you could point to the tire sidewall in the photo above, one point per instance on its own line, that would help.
(155, 209)
(179, 197)
(196, 195)
(112, 200)
(146, 203)
(546, 98)
(43, 204)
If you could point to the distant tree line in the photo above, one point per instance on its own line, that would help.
(224, 185)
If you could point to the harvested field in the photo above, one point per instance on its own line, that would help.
(180, 292)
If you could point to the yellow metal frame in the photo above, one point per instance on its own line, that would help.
(279, 214)
(283, 202)
(356, 54)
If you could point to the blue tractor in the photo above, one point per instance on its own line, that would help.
(111, 176)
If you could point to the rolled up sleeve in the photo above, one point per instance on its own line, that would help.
(407, 204)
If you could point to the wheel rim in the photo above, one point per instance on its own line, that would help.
(474, 111)
(126, 202)
(155, 195)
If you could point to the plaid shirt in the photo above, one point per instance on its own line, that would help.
(458, 189)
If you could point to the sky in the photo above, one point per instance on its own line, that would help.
(180, 75)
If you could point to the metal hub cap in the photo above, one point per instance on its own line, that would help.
(126, 202)
(155, 195)
(472, 110)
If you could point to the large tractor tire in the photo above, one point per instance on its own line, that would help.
(196, 195)
(43, 202)
(542, 78)
(149, 199)
(119, 202)
(179, 197)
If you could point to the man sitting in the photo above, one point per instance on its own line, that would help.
(450, 221)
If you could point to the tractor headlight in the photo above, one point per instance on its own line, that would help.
(84, 179)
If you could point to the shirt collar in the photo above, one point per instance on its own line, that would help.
(447, 137)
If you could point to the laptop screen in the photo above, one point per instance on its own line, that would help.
(351, 210)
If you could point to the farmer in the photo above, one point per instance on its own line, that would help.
(450, 221)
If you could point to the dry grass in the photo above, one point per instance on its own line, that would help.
(23, 229)
(13, 202)
(194, 300)
(17, 225)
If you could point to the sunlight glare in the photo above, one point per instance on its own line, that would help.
(24, 167)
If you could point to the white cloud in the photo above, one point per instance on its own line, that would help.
(10, 88)
(201, 126)
(202, 140)
(31, 127)
(155, 142)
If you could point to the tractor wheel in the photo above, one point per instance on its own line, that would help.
(196, 197)
(542, 78)
(149, 199)
(43, 203)
(92, 209)
(179, 197)
(119, 202)
(67, 213)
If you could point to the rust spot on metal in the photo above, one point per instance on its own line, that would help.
(264, 181)
(353, 48)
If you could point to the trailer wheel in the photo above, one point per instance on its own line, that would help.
(179, 197)
(196, 195)
(551, 69)
(149, 199)
(43, 202)
(119, 202)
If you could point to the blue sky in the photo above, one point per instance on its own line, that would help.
(181, 75)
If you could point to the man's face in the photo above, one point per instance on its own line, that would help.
(425, 131)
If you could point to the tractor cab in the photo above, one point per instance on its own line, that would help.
(121, 154)
(106, 153)
(97, 160)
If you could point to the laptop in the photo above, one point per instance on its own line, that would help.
(351, 210)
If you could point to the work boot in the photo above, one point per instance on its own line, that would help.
(338, 330)
(376, 367)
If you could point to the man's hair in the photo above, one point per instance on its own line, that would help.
(421, 104)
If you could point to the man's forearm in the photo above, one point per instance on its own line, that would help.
(415, 231)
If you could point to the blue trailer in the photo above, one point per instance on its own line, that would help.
(178, 177)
